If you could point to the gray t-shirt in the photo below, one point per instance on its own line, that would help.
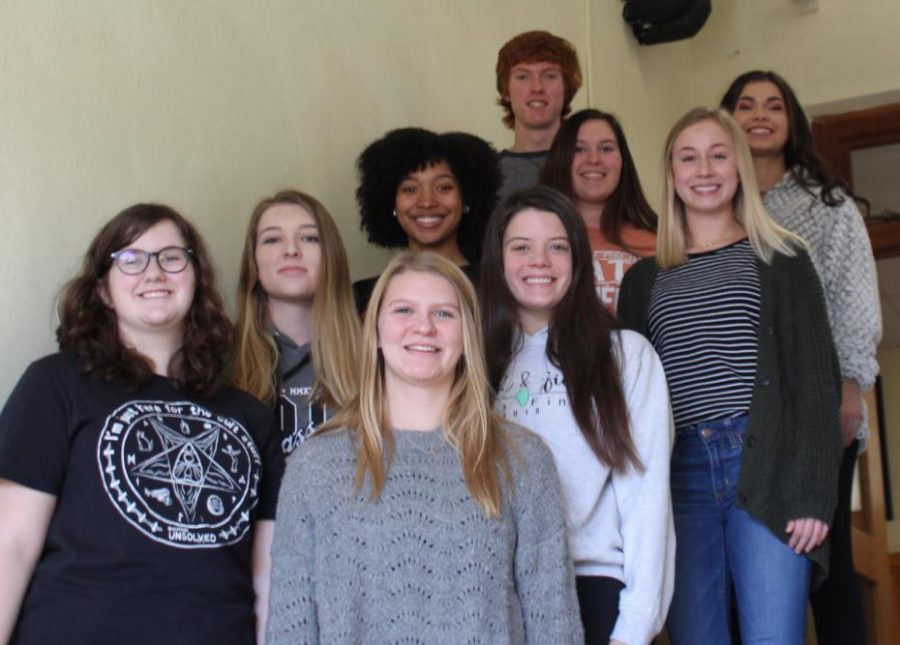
(520, 170)
(423, 564)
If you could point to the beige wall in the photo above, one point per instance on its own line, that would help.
(211, 104)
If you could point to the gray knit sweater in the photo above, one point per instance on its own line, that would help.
(423, 564)
(842, 254)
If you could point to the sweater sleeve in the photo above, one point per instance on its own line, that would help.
(817, 391)
(544, 577)
(634, 295)
(643, 498)
(847, 269)
(293, 618)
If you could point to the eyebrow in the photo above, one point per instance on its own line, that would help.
(773, 97)
(531, 239)
(281, 228)
(607, 140)
(408, 301)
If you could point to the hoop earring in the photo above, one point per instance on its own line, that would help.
(395, 213)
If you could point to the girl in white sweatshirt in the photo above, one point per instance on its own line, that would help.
(597, 396)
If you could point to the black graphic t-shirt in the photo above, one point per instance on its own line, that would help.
(157, 494)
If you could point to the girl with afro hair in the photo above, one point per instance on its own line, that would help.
(422, 190)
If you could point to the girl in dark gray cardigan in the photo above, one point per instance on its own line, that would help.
(735, 310)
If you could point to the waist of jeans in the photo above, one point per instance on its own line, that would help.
(710, 429)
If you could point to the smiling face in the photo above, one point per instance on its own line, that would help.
(151, 302)
(288, 254)
(704, 169)
(537, 265)
(429, 207)
(536, 95)
(596, 163)
(420, 330)
(761, 113)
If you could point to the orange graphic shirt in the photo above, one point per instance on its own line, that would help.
(611, 261)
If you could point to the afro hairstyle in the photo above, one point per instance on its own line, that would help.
(385, 163)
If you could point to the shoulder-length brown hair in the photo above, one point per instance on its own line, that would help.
(627, 202)
(89, 328)
(579, 343)
(469, 423)
(335, 339)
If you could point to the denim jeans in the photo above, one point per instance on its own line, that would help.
(720, 547)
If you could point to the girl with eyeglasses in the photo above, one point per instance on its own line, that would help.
(136, 489)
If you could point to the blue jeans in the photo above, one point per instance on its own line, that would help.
(720, 547)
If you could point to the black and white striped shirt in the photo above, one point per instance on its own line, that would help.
(703, 321)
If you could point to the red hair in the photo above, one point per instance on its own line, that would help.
(537, 47)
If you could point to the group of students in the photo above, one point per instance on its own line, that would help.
(139, 480)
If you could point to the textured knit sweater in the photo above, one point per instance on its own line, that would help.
(620, 523)
(842, 254)
(792, 451)
(423, 564)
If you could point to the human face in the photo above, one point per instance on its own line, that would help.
(537, 265)
(151, 302)
(288, 253)
(761, 113)
(536, 92)
(420, 330)
(596, 163)
(429, 207)
(704, 168)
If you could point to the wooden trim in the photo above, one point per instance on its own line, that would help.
(837, 135)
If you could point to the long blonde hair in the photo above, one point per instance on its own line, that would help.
(766, 236)
(469, 423)
(335, 338)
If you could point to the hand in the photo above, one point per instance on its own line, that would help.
(851, 410)
(807, 533)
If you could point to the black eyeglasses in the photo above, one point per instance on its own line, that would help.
(172, 259)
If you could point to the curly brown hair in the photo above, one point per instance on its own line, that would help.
(89, 328)
(537, 47)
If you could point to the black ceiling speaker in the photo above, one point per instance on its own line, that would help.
(665, 21)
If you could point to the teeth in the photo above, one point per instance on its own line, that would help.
(155, 294)
(705, 189)
(538, 280)
(537, 104)
(422, 348)
(760, 131)
(427, 220)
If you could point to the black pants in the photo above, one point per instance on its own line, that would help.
(837, 604)
(598, 600)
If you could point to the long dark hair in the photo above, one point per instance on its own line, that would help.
(804, 164)
(89, 328)
(627, 203)
(579, 343)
